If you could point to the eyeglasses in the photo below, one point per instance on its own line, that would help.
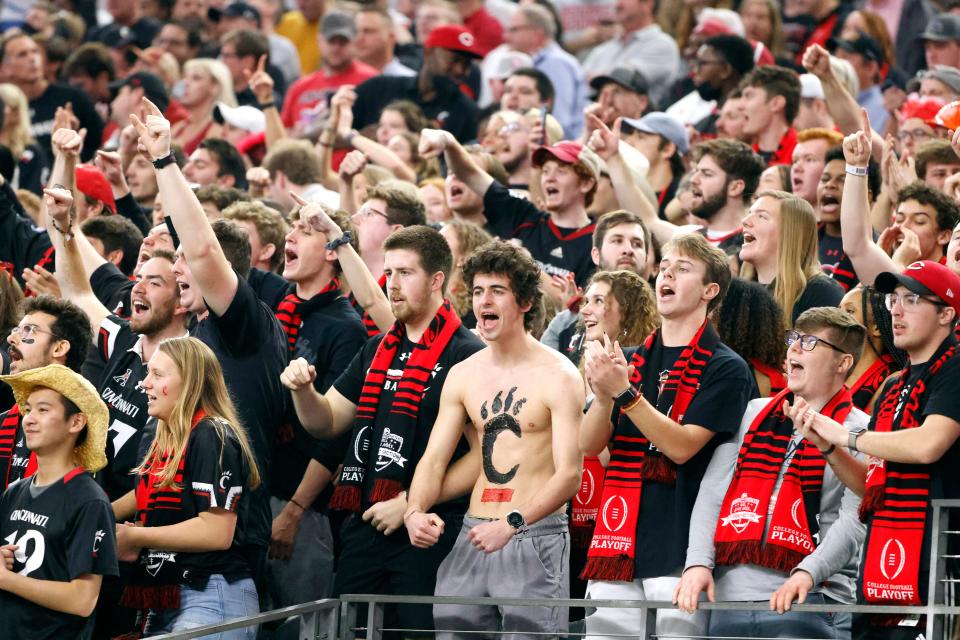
(908, 300)
(696, 63)
(807, 342)
(510, 127)
(918, 135)
(28, 332)
(369, 212)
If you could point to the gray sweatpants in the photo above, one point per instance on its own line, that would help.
(534, 564)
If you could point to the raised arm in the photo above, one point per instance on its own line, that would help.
(213, 273)
(433, 142)
(363, 285)
(925, 444)
(606, 144)
(842, 106)
(322, 415)
(261, 84)
(867, 257)
(373, 150)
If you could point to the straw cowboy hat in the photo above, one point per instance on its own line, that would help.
(91, 453)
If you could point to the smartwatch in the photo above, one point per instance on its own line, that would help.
(625, 397)
(852, 439)
(515, 520)
(160, 163)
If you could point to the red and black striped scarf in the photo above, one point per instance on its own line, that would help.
(9, 429)
(794, 525)
(898, 495)
(634, 460)
(157, 507)
(586, 504)
(391, 441)
(867, 384)
(289, 311)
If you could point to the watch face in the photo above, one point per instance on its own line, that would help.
(514, 519)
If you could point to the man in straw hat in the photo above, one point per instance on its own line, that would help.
(58, 524)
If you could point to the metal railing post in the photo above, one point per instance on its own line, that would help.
(348, 620)
(375, 621)
(325, 624)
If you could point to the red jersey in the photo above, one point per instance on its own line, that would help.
(308, 98)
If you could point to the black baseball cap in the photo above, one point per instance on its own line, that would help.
(862, 44)
(629, 79)
(152, 87)
(235, 10)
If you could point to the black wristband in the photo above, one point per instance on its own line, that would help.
(160, 163)
(828, 451)
(263, 106)
(346, 238)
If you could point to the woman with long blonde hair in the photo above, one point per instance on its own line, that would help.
(780, 251)
(205, 83)
(15, 135)
(190, 483)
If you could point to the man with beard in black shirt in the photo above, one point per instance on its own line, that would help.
(58, 522)
(390, 396)
(21, 64)
(447, 57)
(240, 329)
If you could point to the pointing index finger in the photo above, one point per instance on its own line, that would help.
(298, 198)
(865, 119)
(262, 63)
(151, 108)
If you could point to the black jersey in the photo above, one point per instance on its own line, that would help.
(212, 475)
(64, 530)
(16, 460)
(120, 349)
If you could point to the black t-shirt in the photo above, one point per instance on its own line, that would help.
(835, 262)
(64, 530)
(214, 474)
(112, 288)
(269, 287)
(330, 337)
(119, 349)
(22, 244)
(820, 291)
(451, 109)
(663, 523)
(941, 398)
(251, 348)
(462, 345)
(559, 251)
(43, 109)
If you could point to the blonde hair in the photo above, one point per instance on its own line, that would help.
(797, 251)
(220, 74)
(203, 388)
(19, 136)
(470, 237)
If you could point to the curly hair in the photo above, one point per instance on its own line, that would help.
(71, 324)
(10, 297)
(750, 322)
(504, 259)
(638, 305)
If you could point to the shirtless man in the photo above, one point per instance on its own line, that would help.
(514, 541)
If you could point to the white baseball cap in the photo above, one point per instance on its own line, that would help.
(245, 117)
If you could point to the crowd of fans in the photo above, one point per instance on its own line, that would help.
(277, 279)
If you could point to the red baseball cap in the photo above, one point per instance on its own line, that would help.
(568, 152)
(925, 109)
(453, 37)
(92, 183)
(926, 277)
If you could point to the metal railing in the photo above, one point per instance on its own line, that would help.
(337, 619)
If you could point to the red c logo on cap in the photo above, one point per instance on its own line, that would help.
(466, 39)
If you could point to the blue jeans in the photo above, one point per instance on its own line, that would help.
(221, 601)
(792, 624)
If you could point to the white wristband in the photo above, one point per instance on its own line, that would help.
(857, 171)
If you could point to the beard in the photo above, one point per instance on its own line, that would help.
(710, 205)
(709, 92)
(156, 321)
(516, 161)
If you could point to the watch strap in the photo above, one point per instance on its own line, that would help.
(160, 163)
